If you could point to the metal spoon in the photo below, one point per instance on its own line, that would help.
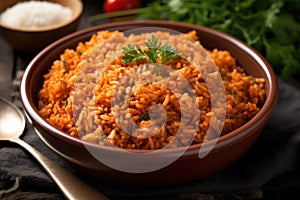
(12, 124)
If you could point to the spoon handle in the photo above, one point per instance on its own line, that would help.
(72, 187)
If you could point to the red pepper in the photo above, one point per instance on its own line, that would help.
(118, 5)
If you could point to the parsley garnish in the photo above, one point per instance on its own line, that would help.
(102, 137)
(252, 79)
(144, 117)
(66, 103)
(154, 50)
(233, 92)
(64, 62)
(133, 53)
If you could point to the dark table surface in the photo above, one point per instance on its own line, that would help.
(269, 170)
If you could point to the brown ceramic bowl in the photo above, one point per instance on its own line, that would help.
(189, 166)
(33, 40)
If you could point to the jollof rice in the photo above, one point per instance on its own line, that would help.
(77, 97)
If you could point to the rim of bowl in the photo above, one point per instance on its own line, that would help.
(74, 17)
(246, 129)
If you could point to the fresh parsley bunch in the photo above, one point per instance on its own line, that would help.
(270, 26)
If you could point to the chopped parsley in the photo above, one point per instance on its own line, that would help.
(233, 92)
(102, 137)
(64, 62)
(66, 103)
(144, 117)
(252, 79)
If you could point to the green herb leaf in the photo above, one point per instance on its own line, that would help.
(252, 79)
(144, 117)
(133, 53)
(64, 62)
(168, 52)
(153, 51)
(102, 137)
(66, 103)
(233, 92)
